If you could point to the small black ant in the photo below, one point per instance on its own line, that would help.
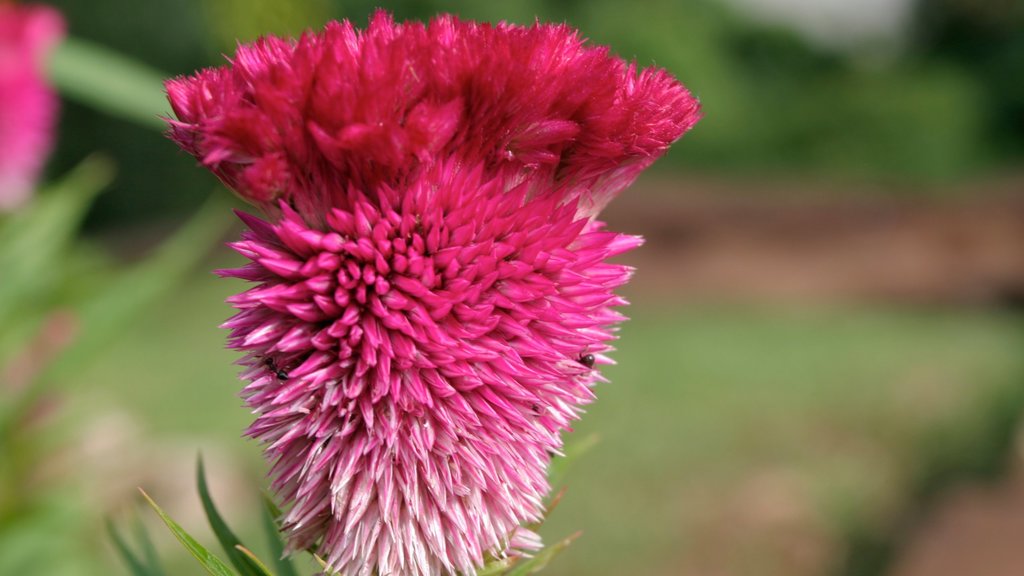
(587, 360)
(269, 363)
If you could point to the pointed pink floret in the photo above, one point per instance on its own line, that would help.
(28, 106)
(431, 287)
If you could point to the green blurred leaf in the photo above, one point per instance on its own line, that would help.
(108, 81)
(103, 318)
(271, 508)
(549, 507)
(241, 561)
(33, 241)
(270, 514)
(148, 550)
(47, 539)
(210, 562)
(234, 21)
(274, 513)
(560, 466)
(136, 564)
(540, 560)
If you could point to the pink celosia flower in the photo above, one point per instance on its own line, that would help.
(28, 106)
(432, 288)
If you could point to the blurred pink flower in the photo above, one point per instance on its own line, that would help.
(28, 106)
(432, 291)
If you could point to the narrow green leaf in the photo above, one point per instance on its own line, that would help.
(275, 514)
(32, 245)
(228, 541)
(283, 565)
(552, 503)
(135, 564)
(109, 81)
(561, 465)
(271, 508)
(541, 559)
(263, 570)
(148, 550)
(33, 241)
(103, 318)
(213, 565)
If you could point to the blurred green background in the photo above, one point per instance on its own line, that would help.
(826, 342)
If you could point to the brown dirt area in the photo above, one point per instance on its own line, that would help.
(974, 529)
(806, 243)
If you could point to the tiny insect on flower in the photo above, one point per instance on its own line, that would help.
(272, 366)
(429, 268)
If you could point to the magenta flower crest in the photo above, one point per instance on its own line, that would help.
(28, 106)
(431, 297)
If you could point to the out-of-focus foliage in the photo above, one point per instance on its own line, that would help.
(115, 84)
(773, 103)
(985, 40)
(232, 21)
(61, 301)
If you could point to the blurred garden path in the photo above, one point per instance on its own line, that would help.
(807, 243)
(974, 529)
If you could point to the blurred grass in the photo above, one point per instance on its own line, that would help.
(173, 367)
(714, 418)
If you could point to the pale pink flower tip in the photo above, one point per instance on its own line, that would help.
(28, 106)
(432, 297)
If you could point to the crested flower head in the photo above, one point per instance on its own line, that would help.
(28, 106)
(432, 299)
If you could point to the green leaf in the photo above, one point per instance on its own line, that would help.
(213, 565)
(33, 241)
(541, 559)
(108, 81)
(274, 512)
(135, 564)
(263, 570)
(561, 465)
(227, 538)
(271, 508)
(148, 550)
(283, 565)
(549, 507)
(103, 318)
